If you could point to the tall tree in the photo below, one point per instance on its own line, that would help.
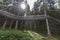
(36, 6)
(51, 4)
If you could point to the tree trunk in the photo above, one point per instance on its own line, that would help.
(45, 12)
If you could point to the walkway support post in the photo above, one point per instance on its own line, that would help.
(4, 24)
(34, 25)
(11, 24)
(45, 12)
(30, 25)
(16, 26)
(21, 25)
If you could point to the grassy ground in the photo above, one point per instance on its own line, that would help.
(23, 35)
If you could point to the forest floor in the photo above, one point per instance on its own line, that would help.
(23, 35)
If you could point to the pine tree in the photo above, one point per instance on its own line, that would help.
(36, 7)
(51, 4)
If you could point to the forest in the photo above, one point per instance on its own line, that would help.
(19, 22)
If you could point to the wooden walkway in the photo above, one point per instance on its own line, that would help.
(16, 18)
(31, 17)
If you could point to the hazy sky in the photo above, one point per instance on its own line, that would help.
(31, 3)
